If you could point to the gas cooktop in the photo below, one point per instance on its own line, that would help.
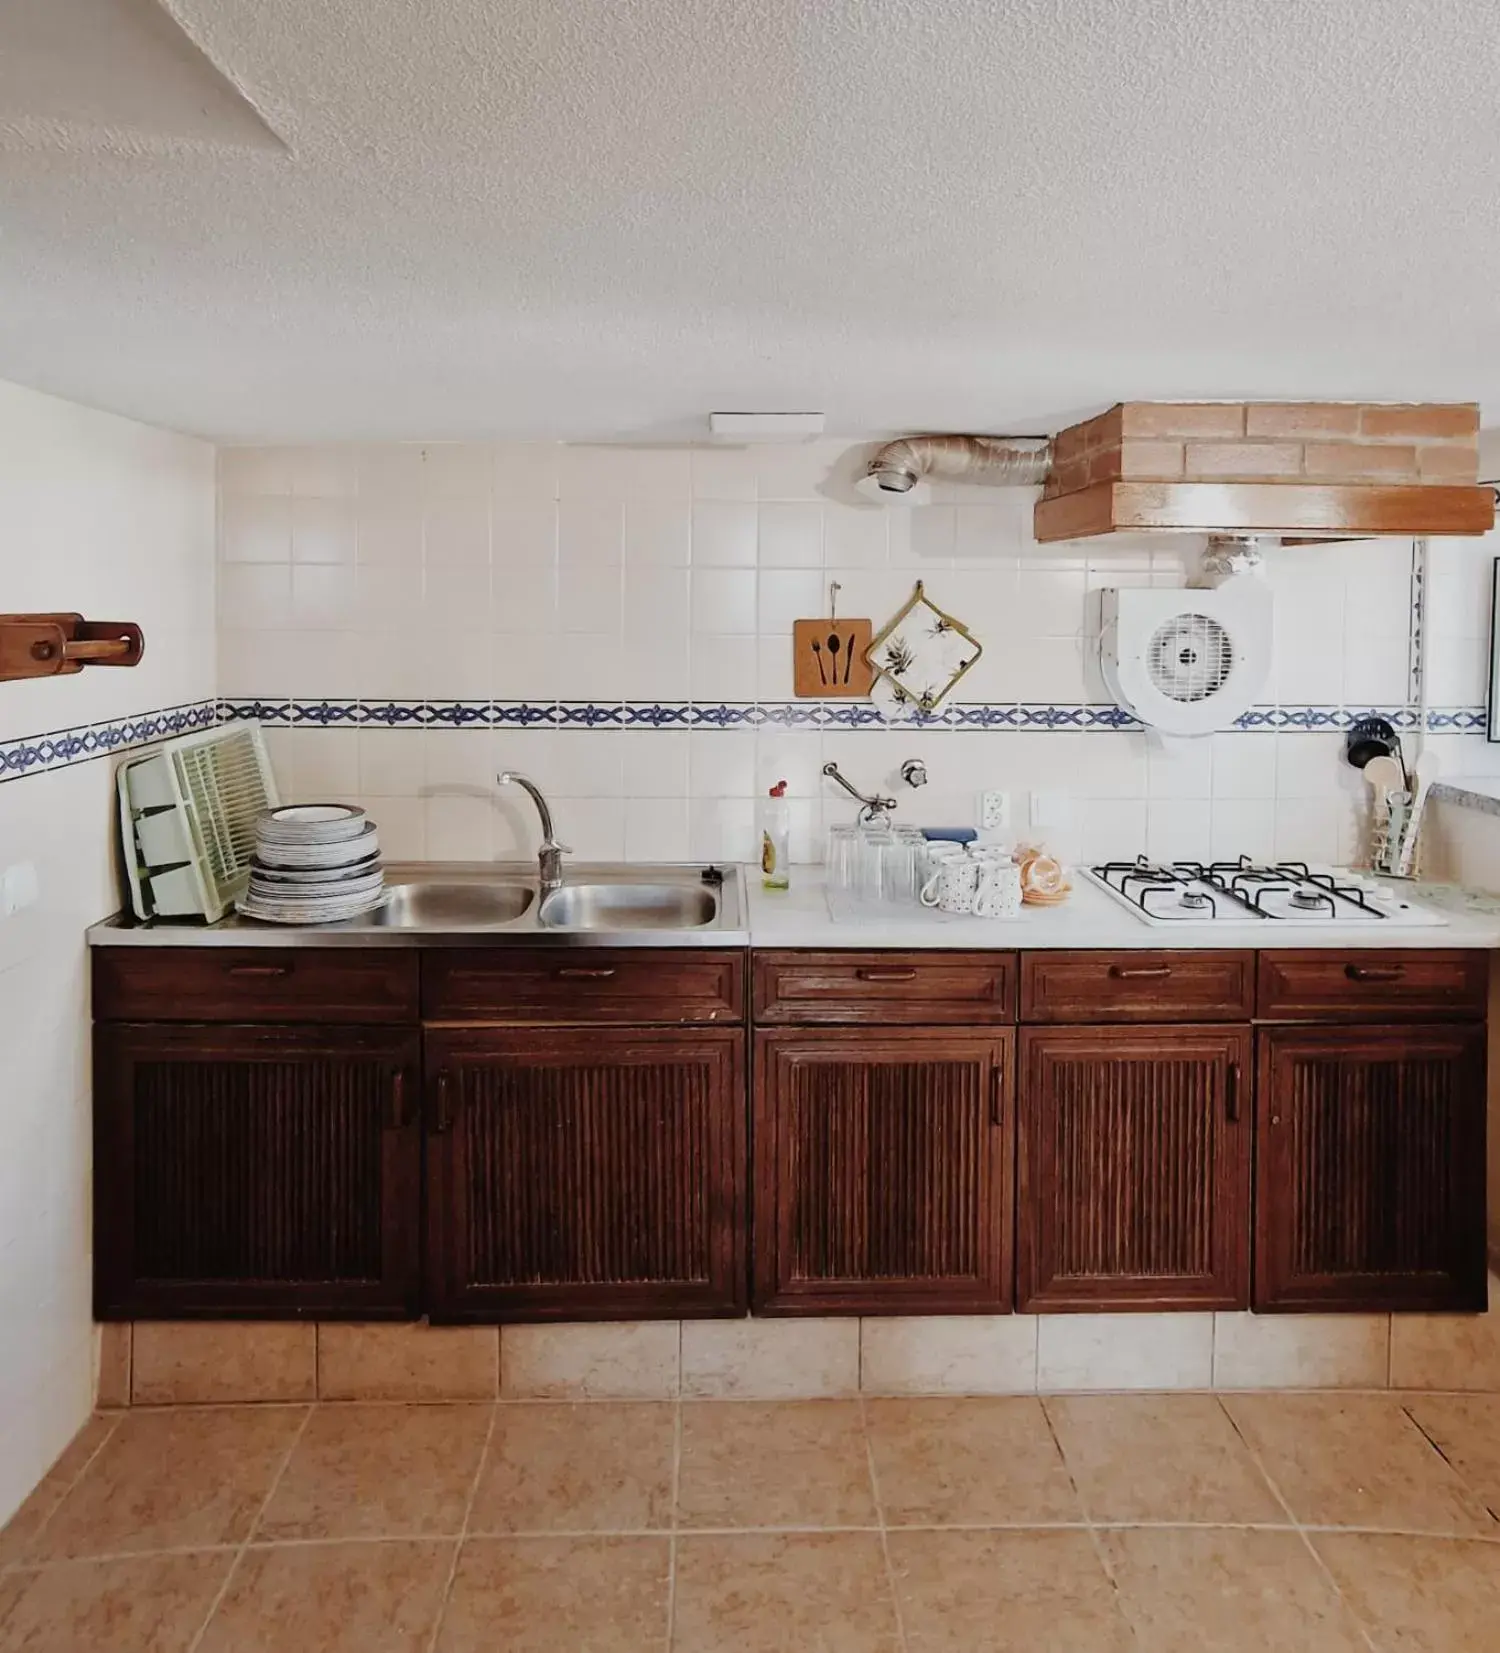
(1237, 892)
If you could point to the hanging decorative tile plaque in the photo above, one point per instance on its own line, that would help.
(923, 652)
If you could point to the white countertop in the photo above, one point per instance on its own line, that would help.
(1481, 792)
(799, 917)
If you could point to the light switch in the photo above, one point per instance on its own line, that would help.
(1051, 809)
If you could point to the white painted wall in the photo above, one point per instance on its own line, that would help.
(114, 520)
(546, 573)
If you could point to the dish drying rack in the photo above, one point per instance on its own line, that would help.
(187, 821)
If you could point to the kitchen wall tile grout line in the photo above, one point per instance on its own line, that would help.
(1302, 1532)
(880, 1517)
(463, 1529)
(254, 1527)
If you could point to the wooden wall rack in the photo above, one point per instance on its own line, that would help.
(54, 645)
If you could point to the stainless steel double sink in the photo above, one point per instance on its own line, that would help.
(498, 904)
(611, 900)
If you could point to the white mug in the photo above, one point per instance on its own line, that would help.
(951, 885)
(935, 853)
(997, 894)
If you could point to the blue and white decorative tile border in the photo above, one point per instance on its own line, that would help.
(808, 715)
(1457, 720)
(39, 754)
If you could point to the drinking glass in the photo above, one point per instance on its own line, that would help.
(843, 844)
(870, 859)
(900, 878)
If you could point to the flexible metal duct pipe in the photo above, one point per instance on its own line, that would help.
(1002, 461)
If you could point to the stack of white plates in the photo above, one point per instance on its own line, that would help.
(313, 864)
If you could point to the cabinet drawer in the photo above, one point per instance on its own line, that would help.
(914, 989)
(583, 985)
(1137, 987)
(254, 984)
(1323, 986)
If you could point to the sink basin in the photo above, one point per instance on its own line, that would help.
(432, 906)
(629, 907)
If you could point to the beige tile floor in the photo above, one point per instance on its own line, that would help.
(1092, 1523)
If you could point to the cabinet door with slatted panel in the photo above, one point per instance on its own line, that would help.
(585, 1175)
(1133, 1168)
(1370, 1168)
(883, 1171)
(256, 1171)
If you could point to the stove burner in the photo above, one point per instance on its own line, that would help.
(1239, 889)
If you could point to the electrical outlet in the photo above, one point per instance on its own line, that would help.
(994, 811)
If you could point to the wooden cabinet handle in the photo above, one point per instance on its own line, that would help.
(395, 1113)
(444, 1113)
(1232, 1094)
(886, 975)
(576, 972)
(1370, 972)
(257, 971)
(997, 1097)
(1139, 972)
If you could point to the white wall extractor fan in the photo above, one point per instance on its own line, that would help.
(1187, 661)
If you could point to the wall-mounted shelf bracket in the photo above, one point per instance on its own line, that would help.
(54, 645)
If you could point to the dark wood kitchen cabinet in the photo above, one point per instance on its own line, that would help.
(585, 1173)
(1371, 1166)
(496, 1134)
(245, 1170)
(883, 1170)
(1133, 1168)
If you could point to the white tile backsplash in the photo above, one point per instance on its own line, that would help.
(323, 530)
(791, 536)
(545, 573)
(724, 604)
(724, 534)
(256, 528)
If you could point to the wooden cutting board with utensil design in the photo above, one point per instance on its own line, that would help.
(828, 658)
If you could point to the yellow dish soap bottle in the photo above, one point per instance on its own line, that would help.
(775, 839)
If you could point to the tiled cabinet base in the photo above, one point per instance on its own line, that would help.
(487, 1135)
(180, 1363)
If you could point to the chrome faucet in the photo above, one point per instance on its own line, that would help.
(549, 851)
(875, 808)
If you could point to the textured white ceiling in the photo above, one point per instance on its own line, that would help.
(85, 74)
(602, 218)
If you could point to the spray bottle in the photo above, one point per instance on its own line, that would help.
(775, 839)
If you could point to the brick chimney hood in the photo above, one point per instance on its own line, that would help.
(1301, 470)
